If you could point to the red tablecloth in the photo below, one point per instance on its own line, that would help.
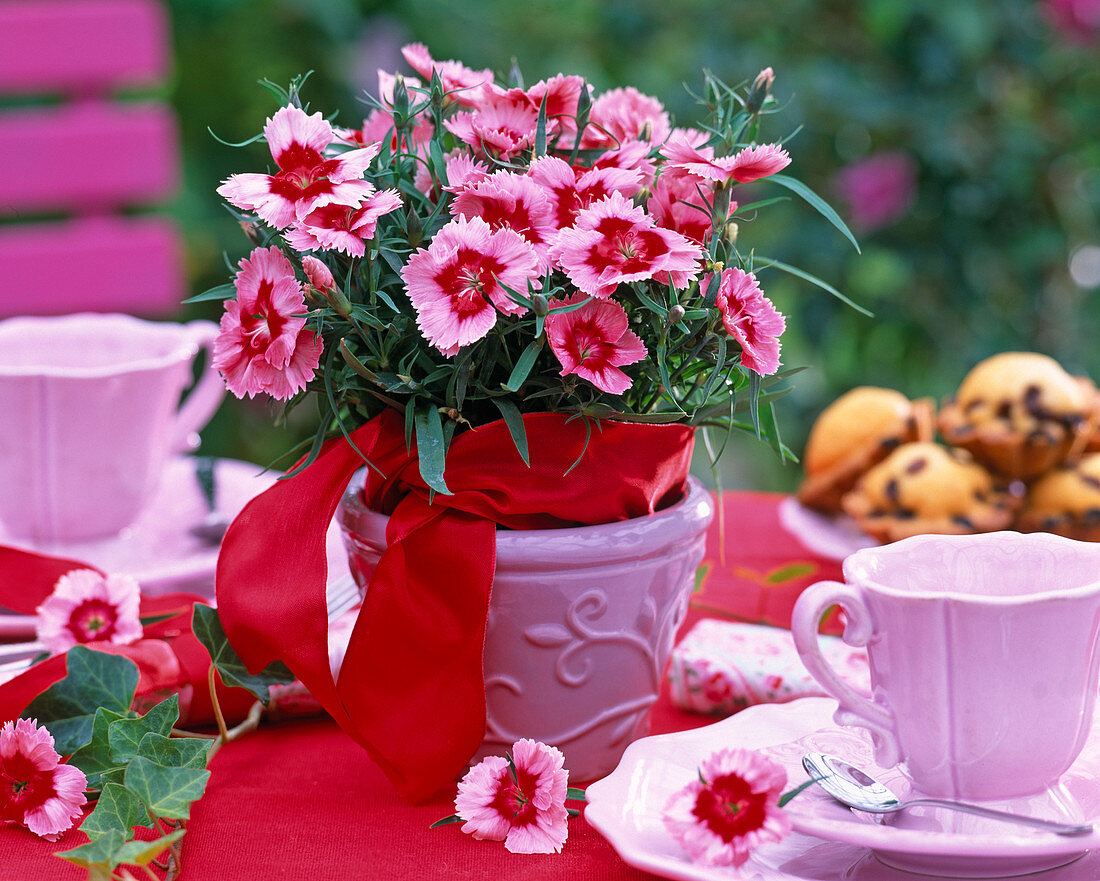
(299, 800)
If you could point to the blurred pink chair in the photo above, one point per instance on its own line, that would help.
(75, 161)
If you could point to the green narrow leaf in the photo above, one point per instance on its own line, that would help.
(167, 792)
(575, 794)
(124, 735)
(523, 366)
(813, 279)
(561, 310)
(175, 752)
(446, 821)
(790, 573)
(823, 208)
(118, 809)
(754, 401)
(649, 302)
(220, 292)
(431, 446)
(209, 631)
(93, 680)
(540, 130)
(516, 428)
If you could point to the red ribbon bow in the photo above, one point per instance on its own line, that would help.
(411, 689)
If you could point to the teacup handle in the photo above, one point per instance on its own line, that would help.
(205, 396)
(854, 708)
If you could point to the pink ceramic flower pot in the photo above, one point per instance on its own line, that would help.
(581, 624)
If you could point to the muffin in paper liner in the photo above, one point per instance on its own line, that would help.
(1021, 413)
(1065, 501)
(855, 432)
(922, 488)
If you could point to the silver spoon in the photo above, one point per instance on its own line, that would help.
(852, 787)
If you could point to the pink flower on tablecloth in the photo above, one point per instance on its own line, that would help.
(512, 201)
(298, 142)
(457, 79)
(456, 281)
(522, 803)
(749, 164)
(86, 606)
(342, 226)
(593, 342)
(264, 345)
(615, 241)
(750, 318)
(730, 809)
(37, 789)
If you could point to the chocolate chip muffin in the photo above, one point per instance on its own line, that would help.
(1065, 501)
(856, 431)
(1020, 414)
(923, 487)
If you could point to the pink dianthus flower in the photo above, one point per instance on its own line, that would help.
(593, 342)
(86, 606)
(456, 281)
(37, 790)
(750, 318)
(525, 809)
(264, 345)
(730, 809)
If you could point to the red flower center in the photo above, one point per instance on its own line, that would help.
(513, 799)
(266, 323)
(730, 808)
(22, 788)
(93, 620)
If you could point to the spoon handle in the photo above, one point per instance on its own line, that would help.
(1048, 825)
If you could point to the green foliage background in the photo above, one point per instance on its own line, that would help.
(998, 110)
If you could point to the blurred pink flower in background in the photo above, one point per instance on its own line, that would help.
(594, 342)
(521, 803)
(86, 606)
(730, 809)
(37, 790)
(878, 189)
(1076, 20)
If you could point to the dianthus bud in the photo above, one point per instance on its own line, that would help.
(675, 315)
(252, 230)
(758, 92)
(731, 232)
(539, 305)
(400, 112)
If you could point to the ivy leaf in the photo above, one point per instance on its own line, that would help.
(168, 792)
(103, 854)
(117, 809)
(175, 752)
(94, 680)
(94, 758)
(139, 853)
(124, 735)
(208, 628)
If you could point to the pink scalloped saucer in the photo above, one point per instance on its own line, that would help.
(831, 537)
(830, 843)
(159, 548)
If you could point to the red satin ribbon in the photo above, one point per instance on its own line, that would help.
(411, 689)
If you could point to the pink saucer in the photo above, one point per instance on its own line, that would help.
(831, 537)
(159, 549)
(626, 808)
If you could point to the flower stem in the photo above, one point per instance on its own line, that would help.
(217, 706)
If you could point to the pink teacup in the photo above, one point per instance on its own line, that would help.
(91, 412)
(983, 653)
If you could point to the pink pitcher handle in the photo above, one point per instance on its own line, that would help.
(854, 708)
(207, 393)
